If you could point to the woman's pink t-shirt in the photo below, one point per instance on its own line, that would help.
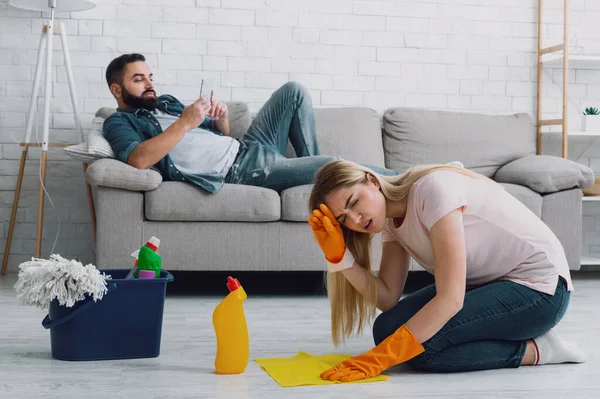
(504, 239)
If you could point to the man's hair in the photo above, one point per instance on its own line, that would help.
(114, 72)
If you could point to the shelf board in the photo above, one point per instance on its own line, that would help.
(575, 61)
(572, 133)
(587, 260)
(591, 198)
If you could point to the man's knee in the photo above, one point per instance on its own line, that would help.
(295, 89)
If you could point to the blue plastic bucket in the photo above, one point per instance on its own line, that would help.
(125, 324)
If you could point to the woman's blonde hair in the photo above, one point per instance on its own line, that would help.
(351, 311)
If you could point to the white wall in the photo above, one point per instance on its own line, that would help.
(476, 55)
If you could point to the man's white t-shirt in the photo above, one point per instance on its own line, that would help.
(504, 240)
(200, 151)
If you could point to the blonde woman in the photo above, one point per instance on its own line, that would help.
(501, 276)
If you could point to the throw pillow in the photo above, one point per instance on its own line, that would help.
(545, 174)
(97, 144)
(80, 152)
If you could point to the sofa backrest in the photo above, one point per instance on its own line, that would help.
(240, 118)
(351, 133)
(483, 143)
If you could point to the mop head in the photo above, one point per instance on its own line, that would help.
(68, 281)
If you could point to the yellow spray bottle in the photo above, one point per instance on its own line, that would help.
(231, 330)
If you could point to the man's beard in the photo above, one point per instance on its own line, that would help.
(136, 102)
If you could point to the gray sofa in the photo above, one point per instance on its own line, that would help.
(251, 228)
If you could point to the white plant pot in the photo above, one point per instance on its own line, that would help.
(591, 123)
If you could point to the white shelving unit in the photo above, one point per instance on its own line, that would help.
(573, 133)
(587, 260)
(558, 56)
(589, 62)
(575, 61)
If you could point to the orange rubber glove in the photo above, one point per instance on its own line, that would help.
(328, 232)
(395, 349)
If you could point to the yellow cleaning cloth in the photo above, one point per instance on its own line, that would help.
(305, 369)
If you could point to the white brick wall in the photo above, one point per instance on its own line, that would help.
(468, 55)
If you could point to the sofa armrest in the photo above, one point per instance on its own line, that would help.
(119, 229)
(116, 174)
(545, 174)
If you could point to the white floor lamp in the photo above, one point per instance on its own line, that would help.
(48, 32)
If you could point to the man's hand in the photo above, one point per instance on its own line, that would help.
(193, 115)
(218, 110)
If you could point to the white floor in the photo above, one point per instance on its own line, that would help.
(279, 327)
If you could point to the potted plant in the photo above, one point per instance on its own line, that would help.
(591, 120)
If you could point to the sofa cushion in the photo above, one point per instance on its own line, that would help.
(530, 198)
(175, 201)
(351, 133)
(546, 174)
(294, 203)
(112, 173)
(484, 143)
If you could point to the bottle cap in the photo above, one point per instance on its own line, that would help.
(153, 243)
(233, 284)
(147, 274)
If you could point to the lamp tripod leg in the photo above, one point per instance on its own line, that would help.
(45, 132)
(63, 37)
(28, 129)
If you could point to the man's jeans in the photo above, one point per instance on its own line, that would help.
(489, 332)
(288, 114)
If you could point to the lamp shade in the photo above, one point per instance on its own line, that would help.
(60, 5)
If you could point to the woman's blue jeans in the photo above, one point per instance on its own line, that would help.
(288, 114)
(489, 332)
